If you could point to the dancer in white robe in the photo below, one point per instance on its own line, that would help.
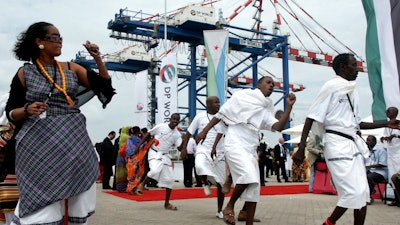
(391, 139)
(246, 113)
(166, 136)
(335, 112)
(208, 169)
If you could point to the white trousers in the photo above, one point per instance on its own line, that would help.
(161, 169)
(79, 208)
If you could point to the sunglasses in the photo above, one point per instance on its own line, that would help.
(53, 38)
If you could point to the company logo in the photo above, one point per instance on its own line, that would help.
(192, 12)
(168, 73)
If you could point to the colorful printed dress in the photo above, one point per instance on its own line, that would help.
(131, 164)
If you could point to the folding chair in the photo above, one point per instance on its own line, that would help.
(381, 195)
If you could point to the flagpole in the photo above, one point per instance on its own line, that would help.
(165, 25)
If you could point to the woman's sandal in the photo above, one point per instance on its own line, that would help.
(229, 217)
(170, 207)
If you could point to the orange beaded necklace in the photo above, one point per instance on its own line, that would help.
(64, 82)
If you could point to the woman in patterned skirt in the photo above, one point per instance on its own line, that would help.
(55, 164)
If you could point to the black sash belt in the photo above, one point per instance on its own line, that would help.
(157, 151)
(340, 134)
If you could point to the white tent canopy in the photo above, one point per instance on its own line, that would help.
(295, 140)
(298, 129)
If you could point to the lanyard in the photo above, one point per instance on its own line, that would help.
(53, 84)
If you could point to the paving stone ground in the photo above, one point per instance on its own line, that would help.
(299, 209)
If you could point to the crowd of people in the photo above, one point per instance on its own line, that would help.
(56, 165)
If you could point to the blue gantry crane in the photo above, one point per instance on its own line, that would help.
(139, 27)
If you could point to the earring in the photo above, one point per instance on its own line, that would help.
(41, 46)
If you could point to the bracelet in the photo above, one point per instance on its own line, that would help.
(26, 109)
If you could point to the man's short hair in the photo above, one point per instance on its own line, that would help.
(262, 78)
(343, 58)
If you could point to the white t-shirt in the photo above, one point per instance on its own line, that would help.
(191, 146)
(336, 114)
(199, 122)
(165, 137)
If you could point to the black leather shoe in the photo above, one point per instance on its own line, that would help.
(394, 203)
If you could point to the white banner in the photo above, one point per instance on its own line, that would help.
(167, 89)
(141, 100)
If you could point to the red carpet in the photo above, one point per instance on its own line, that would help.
(191, 193)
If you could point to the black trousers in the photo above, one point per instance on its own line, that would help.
(107, 175)
(188, 167)
(282, 168)
(373, 178)
(269, 166)
(261, 166)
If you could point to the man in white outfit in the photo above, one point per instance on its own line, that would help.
(246, 113)
(206, 167)
(166, 136)
(391, 138)
(335, 112)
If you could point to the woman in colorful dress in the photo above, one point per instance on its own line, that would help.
(132, 165)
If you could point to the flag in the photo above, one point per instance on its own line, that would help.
(167, 89)
(141, 99)
(383, 54)
(216, 43)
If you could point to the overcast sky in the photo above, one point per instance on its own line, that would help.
(79, 21)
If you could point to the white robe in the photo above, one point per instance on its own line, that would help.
(161, 169)
(393, 152)
(204, 164)
(241, 155)
(246, 112)
(332, 110)
(347, 168)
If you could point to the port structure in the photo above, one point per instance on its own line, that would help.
(148, 29)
